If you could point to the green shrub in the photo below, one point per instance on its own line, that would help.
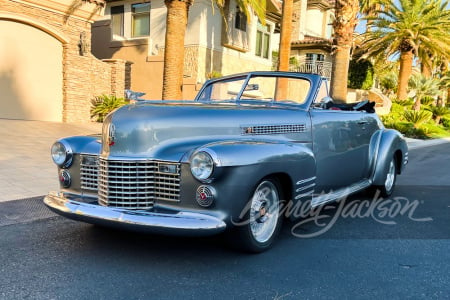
(104, 104)
(439, 112)
(446, 122)
(417, 117)
(389, 82)
(433, 130)
(427, 100)
(405, 103)
(360, 74)
(213, 74)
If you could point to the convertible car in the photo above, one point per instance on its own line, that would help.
(229, 161)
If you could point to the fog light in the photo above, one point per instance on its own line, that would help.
(205, 195)
(64, 178)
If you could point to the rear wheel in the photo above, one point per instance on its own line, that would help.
(389, 183)
(262, 221)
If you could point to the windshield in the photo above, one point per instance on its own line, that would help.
(280, 89)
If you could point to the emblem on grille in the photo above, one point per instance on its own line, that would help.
(111, 134)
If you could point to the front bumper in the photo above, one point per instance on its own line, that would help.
(177, 223)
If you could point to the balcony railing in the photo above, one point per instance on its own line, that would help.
(322, 68)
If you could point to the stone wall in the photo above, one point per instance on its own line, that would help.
(84, 76)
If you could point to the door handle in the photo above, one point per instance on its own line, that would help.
(362, 122)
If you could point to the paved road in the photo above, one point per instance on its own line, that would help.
(360, 256)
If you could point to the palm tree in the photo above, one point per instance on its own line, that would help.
(371, 8)
(346, 12)
(285, 47)
(285, 36)
(423, 87)
(445, 84)
(176, 23)
(409, 28)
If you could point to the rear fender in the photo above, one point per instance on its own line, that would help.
(391, 143)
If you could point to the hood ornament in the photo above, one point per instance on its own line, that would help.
(111, 134)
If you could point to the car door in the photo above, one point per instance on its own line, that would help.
(341, 146)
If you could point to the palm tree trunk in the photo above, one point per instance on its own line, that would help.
(425, 69)
(176, 22)
(344, 26)
(406, 60)
(285, 48)
(285, 36)
(339, 73)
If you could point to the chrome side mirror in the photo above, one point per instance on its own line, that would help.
(324, 103)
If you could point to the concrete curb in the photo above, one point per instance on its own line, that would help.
(416, 144)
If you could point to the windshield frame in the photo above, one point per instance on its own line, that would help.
(313, 79)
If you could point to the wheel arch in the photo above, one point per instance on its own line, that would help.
(391, 144)
(285, 181)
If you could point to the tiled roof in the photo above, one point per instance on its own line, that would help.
(312, 40)
(322, 4)
(98, 2)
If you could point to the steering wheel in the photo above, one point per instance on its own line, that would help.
(360, 105)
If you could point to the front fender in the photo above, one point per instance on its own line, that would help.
(391, 143)
(239, 153)
(90, 144)
(248, 162)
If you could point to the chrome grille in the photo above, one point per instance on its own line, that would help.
(89, 172)
(137, 184)
(273, 129)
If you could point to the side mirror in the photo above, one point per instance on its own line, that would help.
(324, 103)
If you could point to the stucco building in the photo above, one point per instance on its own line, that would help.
(135, 31)
(312, 36)
(47, 71)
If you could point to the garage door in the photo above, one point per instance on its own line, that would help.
(30, 73)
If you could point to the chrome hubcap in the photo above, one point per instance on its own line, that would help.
(264, 211)
(390, 177)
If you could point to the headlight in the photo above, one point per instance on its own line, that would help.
(202, 165)
(62, 154)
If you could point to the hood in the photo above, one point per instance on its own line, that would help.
(167, 131)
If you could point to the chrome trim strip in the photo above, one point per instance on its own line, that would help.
(306, 187)
(306, 180)
(310, 193)
(180, 223)
(343, 192)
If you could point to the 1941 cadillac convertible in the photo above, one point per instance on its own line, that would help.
(228, 161)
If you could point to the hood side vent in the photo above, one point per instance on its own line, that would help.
(273, 129)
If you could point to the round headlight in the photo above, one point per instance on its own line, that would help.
(62, 154)
(202, 165)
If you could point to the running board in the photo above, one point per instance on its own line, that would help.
(343, 192)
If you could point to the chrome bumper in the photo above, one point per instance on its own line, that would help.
(179, 223)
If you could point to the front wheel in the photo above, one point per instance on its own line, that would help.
(389, 183)
(262, 220)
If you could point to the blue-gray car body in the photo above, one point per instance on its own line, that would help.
(239, 131)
